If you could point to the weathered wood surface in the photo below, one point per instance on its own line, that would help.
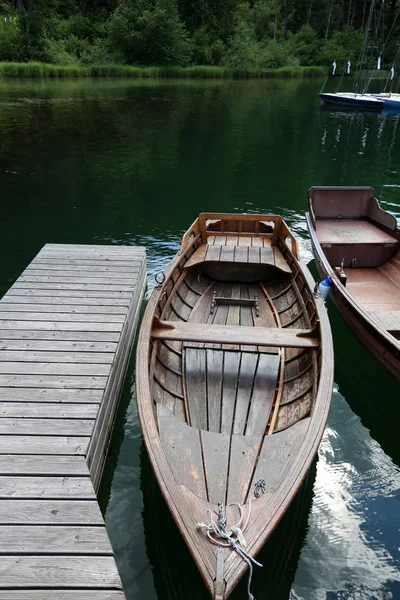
(231, 334)
(219, 352)
(66, 330)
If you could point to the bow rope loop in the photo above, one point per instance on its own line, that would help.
(219, 534)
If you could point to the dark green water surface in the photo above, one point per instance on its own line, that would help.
(126, 162)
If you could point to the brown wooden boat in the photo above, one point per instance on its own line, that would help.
(234, 379)
(357, 241)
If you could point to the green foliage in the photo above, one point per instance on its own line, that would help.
(342, 46)
(246, 53)
(11, 39)
(239, 35)
(150, 33)
(304, 44)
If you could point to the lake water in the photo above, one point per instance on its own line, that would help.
(134, 162)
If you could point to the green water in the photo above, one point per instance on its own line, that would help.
(126, 162)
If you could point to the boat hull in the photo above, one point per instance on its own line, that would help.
(383, 346)
(271, 438)
(352, 100)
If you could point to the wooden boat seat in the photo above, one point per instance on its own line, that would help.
(388, 319)
(232, 334)
(374, 289)
(357, 242)
(252, 255)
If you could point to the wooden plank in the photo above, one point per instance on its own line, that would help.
(50, 395)
(213, 253)
(14, 486)
(263, 393)
(62, 595)
(214, 388)
(182, 448)
(233, 316)
(58, 572)
(229, 334)
(254, 255)
(241, 254)
(60, 336)
(56, 356)
(243, 454)
(89, 303)
(197, 257)
(280, 262)
(266, 256)
(84, 261)
(28, 426)
(53, 368)
(248, 366)
(120, 283)
(41, 444)
(48, 410)
(216, 460)
(59, 326)
(76, 295)
(227, 253)
(32, 314)
(54, 539)
(277, 452)
(106, 289)
(229, 388)
(110, 269)
(196, 386)
(53, 381)
(11, 464)
(232, 240)
(50, 512)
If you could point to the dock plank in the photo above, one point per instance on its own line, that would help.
(50, 512)
(62, 595)
(51, 572)
(48, 410)
(54, 539)
(42, 444)
(14, 486)
(57, 356)
(66, 329)
(43, 465)
(29, 426)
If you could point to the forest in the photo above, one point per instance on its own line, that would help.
(247, 35)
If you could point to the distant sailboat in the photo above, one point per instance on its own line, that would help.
(357, 99)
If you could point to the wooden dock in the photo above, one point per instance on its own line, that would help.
(66, 330)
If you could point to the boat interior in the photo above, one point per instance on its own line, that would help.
(362, 242)
(235, 358)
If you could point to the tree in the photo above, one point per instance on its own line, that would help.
(150, 33)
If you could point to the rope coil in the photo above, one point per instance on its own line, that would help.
(219, 534)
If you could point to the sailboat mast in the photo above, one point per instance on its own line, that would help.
(368, 27)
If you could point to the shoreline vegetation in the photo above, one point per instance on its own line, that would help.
(39, 70)
(207, 39)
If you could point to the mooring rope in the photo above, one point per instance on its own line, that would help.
(217, 530)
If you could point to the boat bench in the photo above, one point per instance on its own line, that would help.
(357, 242)
(253, 255)
(388, 319)
(233, 334)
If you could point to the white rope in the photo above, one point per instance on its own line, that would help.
(217, 531)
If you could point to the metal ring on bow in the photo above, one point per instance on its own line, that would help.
(160, 278)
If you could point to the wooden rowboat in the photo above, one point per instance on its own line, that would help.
(357, 241)
(234, 378)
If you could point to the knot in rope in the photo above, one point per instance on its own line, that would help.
(219, 534)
